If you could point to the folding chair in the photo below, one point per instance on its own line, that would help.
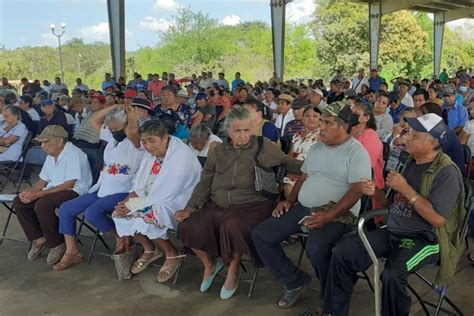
(9, 168)
(441, 290)
(34, 157)
(95, 158)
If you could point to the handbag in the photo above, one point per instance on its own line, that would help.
(265, 178)
(124, 261)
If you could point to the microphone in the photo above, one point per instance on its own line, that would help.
(400, 167)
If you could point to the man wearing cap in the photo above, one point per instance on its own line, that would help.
(331, 180)
(65, 175)
(143, 110)
(396, 107)
(359, 80)
(316, 98)
(404, 86)
(375, 80)
(457, 113)
(285, 112)
(51, 116)
(427, 195)
(298, 106)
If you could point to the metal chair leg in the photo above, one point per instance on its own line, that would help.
(252, 283)
(303, 248)
(175, 280)
(93, 248)
(6, 226)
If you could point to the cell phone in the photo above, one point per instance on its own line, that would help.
(303, 219)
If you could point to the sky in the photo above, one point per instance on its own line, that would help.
(26, 22)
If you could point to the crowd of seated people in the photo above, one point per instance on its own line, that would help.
(185, 155)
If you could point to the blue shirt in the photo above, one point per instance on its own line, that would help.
(375, 83)
(235, 83)
(396, 113)
(457, 115)
(107, 83)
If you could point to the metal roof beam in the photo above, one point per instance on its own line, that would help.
(459, 14)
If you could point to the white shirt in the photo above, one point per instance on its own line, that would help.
(206, 83)
(223, 82)
(72, 164)
(281, 120)
(408, 101)
(469, 129)
(121, 162)
(204, 152)
(357, 83)
(33, 114)
(13, 152)
(82, 87)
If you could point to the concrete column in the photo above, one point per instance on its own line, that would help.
(278, 35)
(116, 13)
(375, 16)
(438, 25)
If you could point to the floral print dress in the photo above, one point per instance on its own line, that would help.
(302, 142)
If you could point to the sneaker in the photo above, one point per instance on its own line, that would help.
(55, 254)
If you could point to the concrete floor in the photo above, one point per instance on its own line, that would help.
(32, 288)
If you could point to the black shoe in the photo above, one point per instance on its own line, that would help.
(290, 297)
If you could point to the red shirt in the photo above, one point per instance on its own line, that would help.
(155, 87)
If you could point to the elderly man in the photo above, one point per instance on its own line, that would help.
(85, 135)
(330, 180)
(404, 87)
(427, 195)
(457, 113)
(65, 175)
(52, 116)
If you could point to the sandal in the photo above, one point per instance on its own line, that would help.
(170, 270)
(68, 260)
(141, 264)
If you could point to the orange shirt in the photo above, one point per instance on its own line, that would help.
(155, 87)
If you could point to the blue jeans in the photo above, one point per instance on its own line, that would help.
(96, 210)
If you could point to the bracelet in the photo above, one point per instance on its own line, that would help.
(414, 199)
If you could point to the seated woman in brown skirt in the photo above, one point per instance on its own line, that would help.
(225, 206)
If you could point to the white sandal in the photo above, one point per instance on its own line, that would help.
(169, 270)
(141, 264)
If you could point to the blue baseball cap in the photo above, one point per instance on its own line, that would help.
(200, 95)
(47, 102)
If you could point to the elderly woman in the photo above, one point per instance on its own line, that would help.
(122, 157)
(65, 175)
(163, 184)
(52, 116)
(12, 134)
(225, 205)
(203, 142)
(302, 142)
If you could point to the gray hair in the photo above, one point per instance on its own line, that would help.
(116, 115)
(238, 113)
(200, 132)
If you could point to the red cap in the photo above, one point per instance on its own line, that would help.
(99, 97)
(130, 94)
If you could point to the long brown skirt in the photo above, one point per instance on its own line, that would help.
(221, 232)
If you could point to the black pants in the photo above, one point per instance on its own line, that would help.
(404, 254)
(268, 236)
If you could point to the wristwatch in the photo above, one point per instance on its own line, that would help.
(414, 199)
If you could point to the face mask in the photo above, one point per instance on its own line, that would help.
(463, 89)
(119, 135)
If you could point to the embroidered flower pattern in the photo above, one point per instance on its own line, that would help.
(118, 169)
(148, 215)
